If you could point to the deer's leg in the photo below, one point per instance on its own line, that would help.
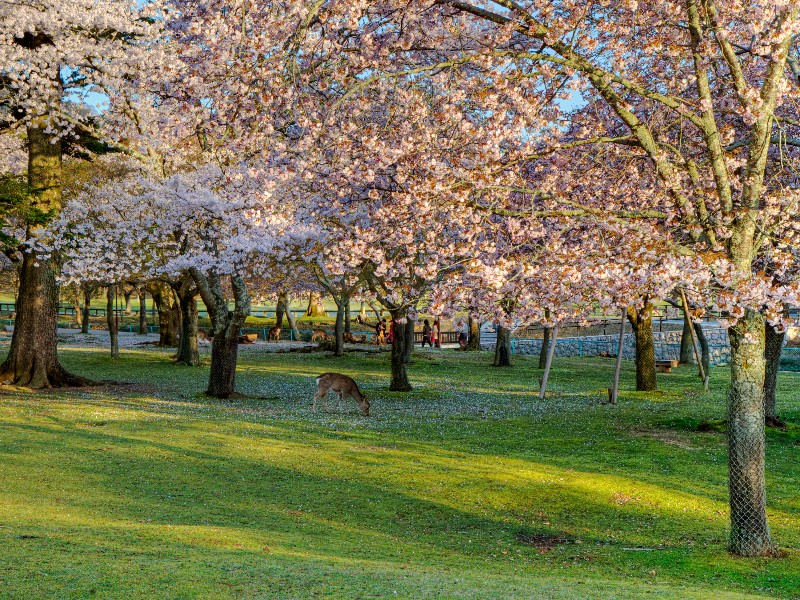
(317, 396)
(324, 398)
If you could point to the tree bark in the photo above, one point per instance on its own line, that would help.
(750, 535)
(168, 315)
(399, 382)
(142, 312)
(686, 356)
(642, 323)
(474, 335)
(87, 304)
(409, 335)
(76, 297)
(280, 310)
(226, 325)
(224, 356)
(339, 328)
(290, 318)
(128, 292)
(347, 316)
(188, 352)
(32, 359)
(315, 308)
(705, 355)
(545, 342)
(543, 351)
(502, 349)
(773, 346)
(111, 319)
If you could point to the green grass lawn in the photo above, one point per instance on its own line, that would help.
(468, 487)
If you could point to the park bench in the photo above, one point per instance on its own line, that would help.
(665, 366)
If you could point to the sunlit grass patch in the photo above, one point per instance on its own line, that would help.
(151, 490)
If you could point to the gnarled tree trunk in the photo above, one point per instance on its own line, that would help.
(226, 325)
(188, 353)
(315, 308)
(750, 535)
(773, 345)
(280, 310)
(642, 323)
(128, 292)
(168, 315)
(400, 382)
(502, 349)
(290, 318)
(32, 359)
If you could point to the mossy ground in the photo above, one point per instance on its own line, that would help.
(468, 487)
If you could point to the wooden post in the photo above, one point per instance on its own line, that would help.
(612, 393)
(549, 363)
(698, 357)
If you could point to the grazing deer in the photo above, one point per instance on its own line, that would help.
(319, 335)
(274, 334)
(342, 385)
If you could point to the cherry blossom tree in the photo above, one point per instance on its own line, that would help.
(700, 91)
(203, 230)
(51, 55)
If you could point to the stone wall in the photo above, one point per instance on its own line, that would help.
(667, 345)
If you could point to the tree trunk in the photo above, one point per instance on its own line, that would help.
(705, 355)
(642, 323)
(168, 316)
(142, 312)
(545, 342)
(339, 328)
(224, 355)
(32, 359)
(226, 325)
(502, 349)
(773, 345)
(76, 306)
(280, 309)
(347, 316)
(188, 353)
(409, 335)
(111, 319)
(290, 318)
(543, 351)
(75, 296)
(687, 350)
(315, 308)
(128, 293)
(400, 382)
(87, 304)
(474, 335)
(750, 534)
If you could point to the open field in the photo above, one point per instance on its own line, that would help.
(469, 487)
